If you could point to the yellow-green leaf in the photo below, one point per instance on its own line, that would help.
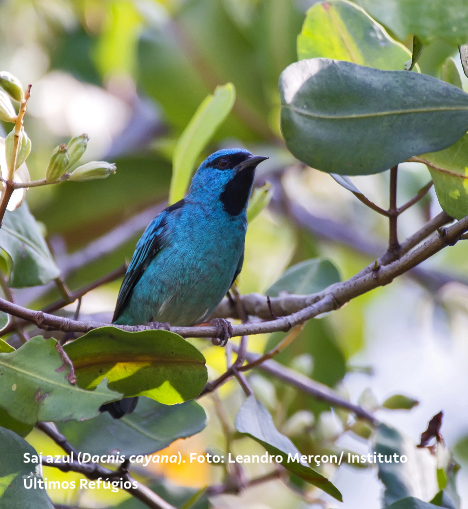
(343, 31)
(154, 363)
(209, 116)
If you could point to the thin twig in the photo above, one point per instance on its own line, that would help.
(309, 386)
(39, 183)
(418, 196)
(222, 489)
(242, 381)
(363, 199)
(393, 244)
(77, 295)
(14, 322)
(94, 471)
(275, 351)
(63, 289)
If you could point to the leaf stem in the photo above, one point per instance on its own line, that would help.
(393, 244)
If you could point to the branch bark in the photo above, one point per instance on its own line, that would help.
(94, 471)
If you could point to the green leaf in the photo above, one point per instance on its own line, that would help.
(230, 55)
(437, 19)
(115, 52)
(259, 200)
(442, 499)
(150, 428)
(154, 363)
(178, 496)
(13, 474)
(411, 503)
(209, 116)
(5, 347)
(450, 73)
(400, 402)
(343, 31)
(20, 428)
(21, 238)
(339, 117)
(309, 276)
(413, 478)
(418, 47)
(254, 420)
(33, 386)
(449, 170)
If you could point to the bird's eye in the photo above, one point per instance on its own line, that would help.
(223, 162)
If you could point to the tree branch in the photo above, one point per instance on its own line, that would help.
(94, 471)
(293, 309)
(305, 384)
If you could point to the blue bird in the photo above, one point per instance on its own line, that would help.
(191, 253)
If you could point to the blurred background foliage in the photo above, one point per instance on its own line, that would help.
(132, 74)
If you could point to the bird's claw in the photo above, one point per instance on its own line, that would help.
(223, 331)
(160, 325)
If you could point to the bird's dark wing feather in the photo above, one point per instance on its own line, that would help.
(238, 269)
(150, 244)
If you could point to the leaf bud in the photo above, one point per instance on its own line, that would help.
(7, 112)
(362, 429)
(93, 170)
(12, 86)
(24, 149)
(76, 148)
(58, 164)
(400, 402)
(260, 199)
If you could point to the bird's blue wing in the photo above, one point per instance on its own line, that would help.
(238, 269)
(150, 244)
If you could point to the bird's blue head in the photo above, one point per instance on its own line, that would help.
(226, 177)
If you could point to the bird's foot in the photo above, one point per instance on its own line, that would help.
(160, 325)
(223, 331)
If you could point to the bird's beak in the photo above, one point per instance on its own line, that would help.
(251, 162)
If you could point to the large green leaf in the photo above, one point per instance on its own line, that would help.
(254, 420)
(21, 238)
(155, 363)
(150, 428)
(309, 276)
(343, 118)
(434, 19)
(34, 387)
(341, 30)
(414, 478)
(208, 117)
(15, 473)
(449, 170)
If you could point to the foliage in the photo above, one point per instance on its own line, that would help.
(364, 86)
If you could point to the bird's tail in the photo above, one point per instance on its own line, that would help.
(120, 408)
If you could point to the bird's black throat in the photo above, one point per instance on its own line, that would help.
(236, 192)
